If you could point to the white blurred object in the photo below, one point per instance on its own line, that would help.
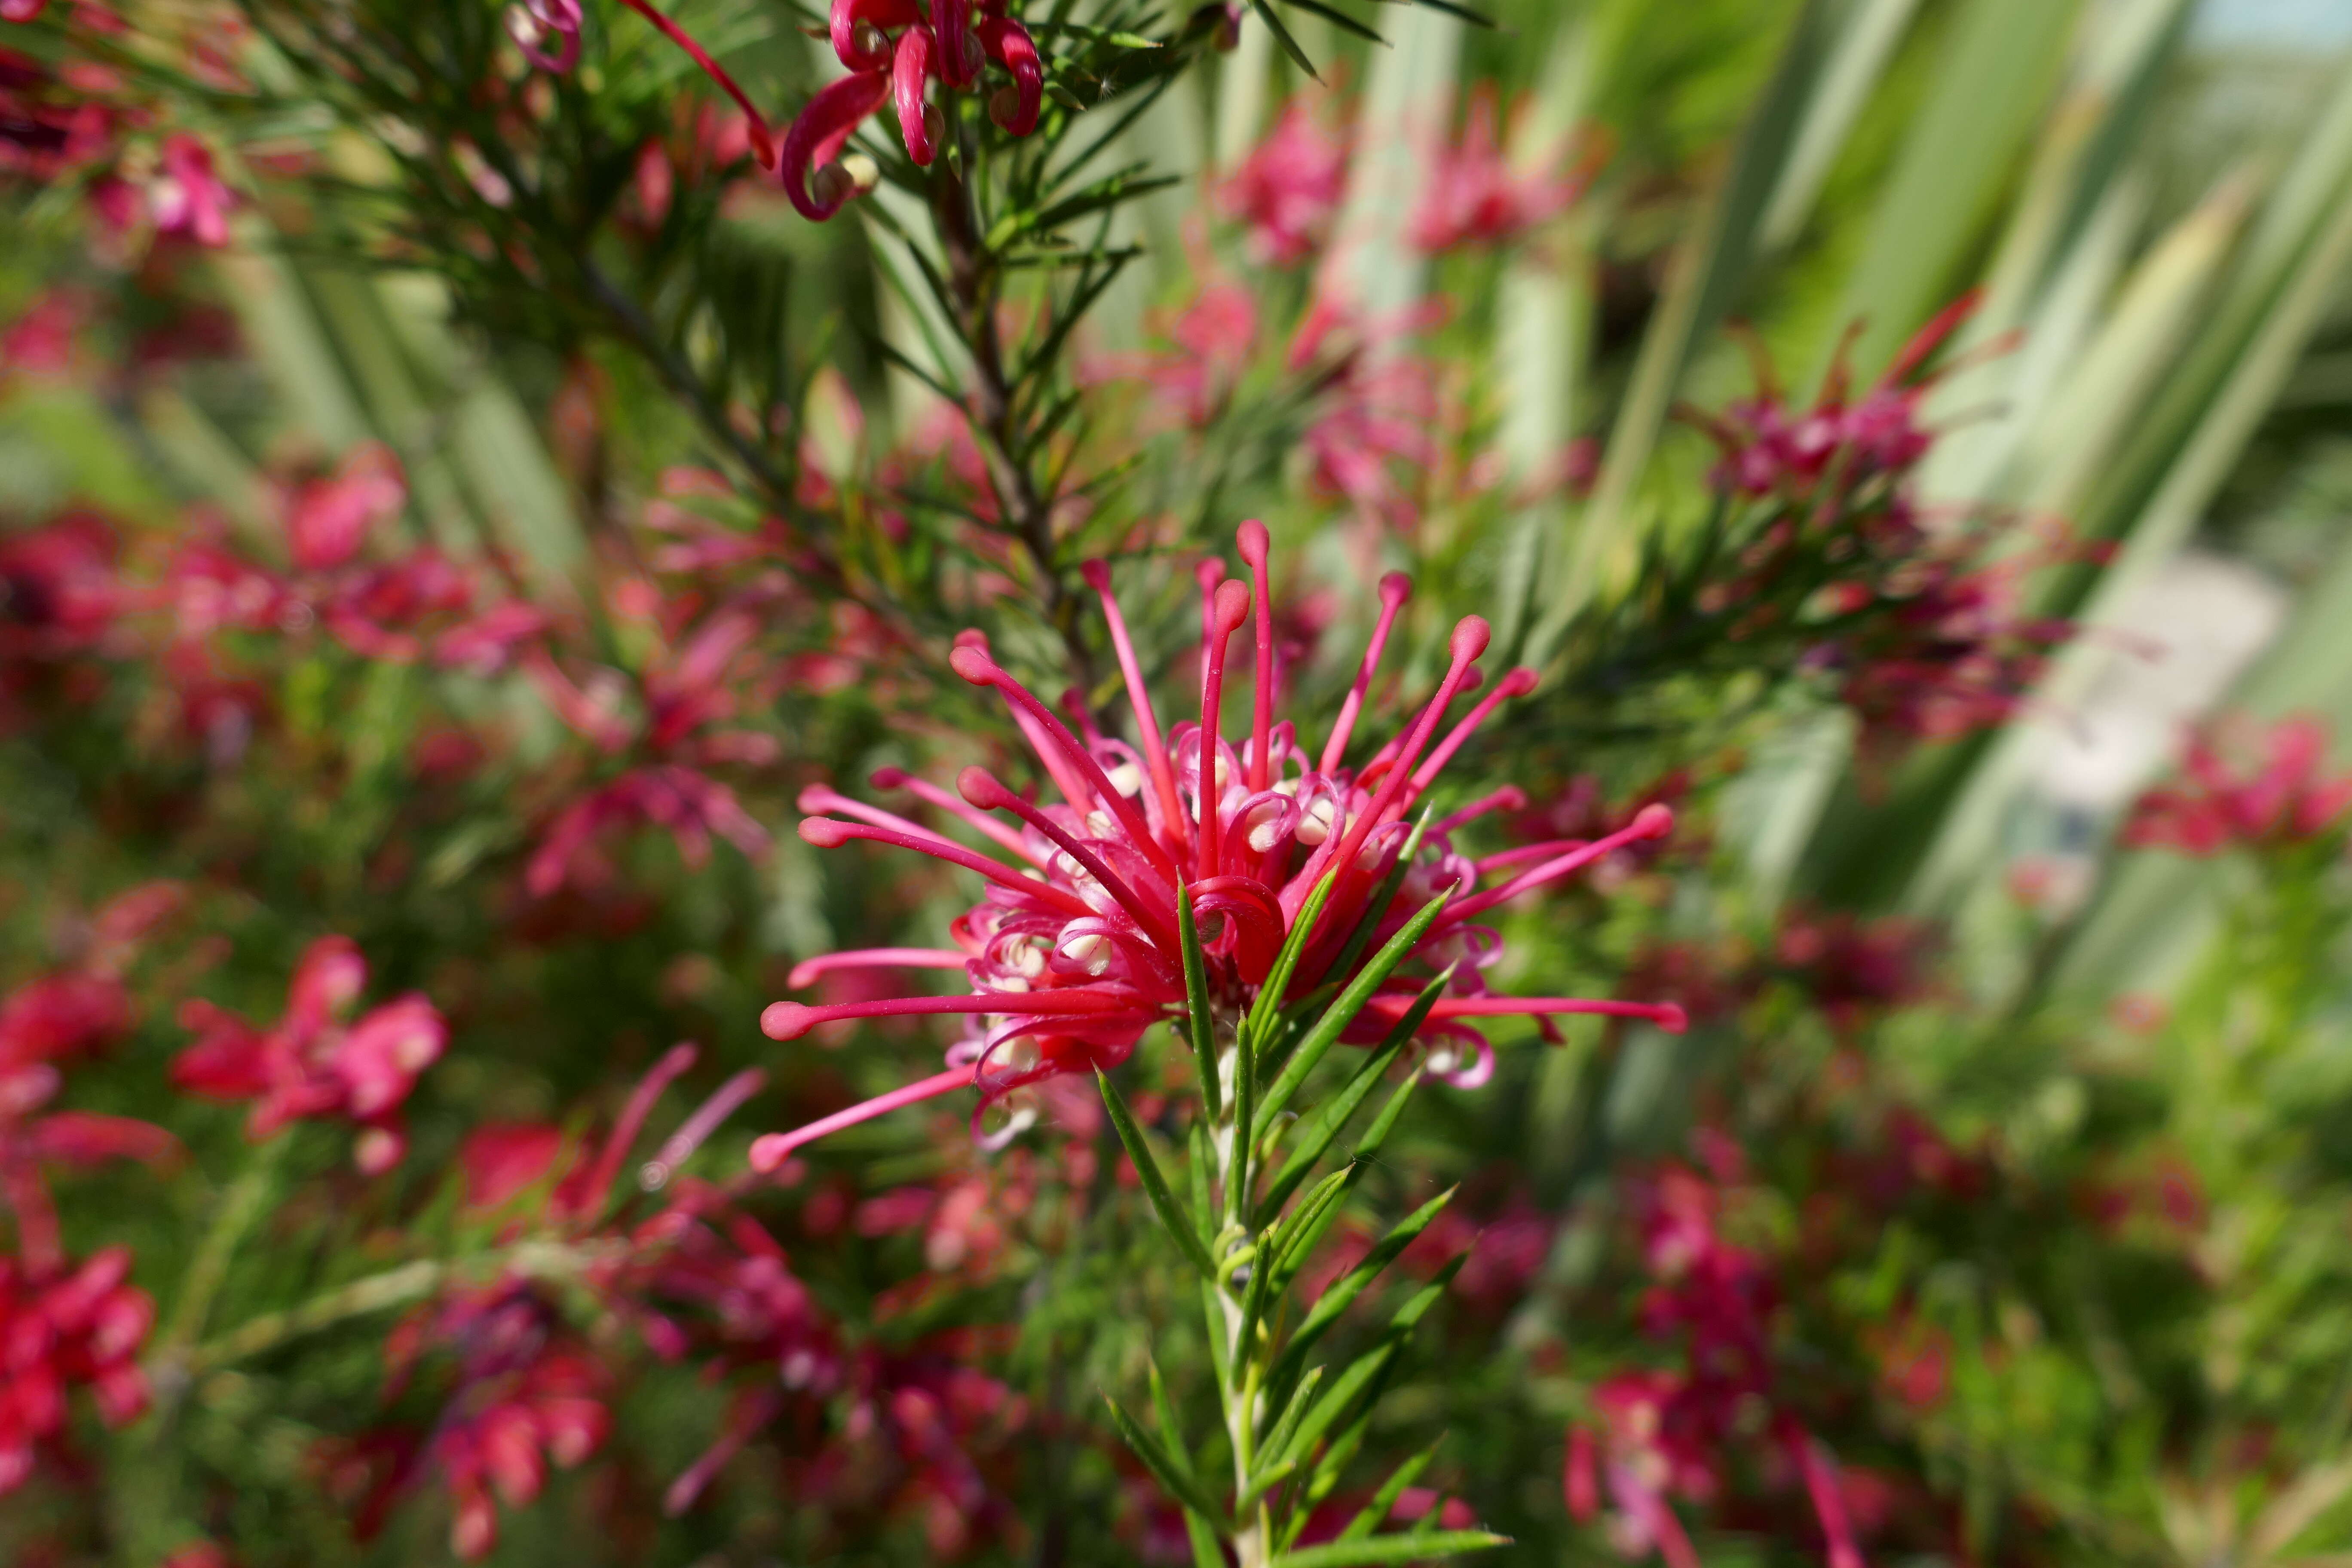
(2176, 645)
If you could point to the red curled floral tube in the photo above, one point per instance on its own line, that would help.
(764, 142)
(816, 183)
(856, 25)
(1008, 43)
(910, 73)
(959, 59)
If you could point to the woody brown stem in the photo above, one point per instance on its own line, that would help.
(973, 279)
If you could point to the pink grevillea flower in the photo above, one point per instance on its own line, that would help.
(410, 606)
(548, 33)
(42, 1024)
(187, 199)
(1288, 189)
(896, 49)
(681, 695)
(60, 590)
(2285, 799)
(1473, 196)
(310, 1064)
(1073, 951)
(526, 1396)
(695, 1279)
(62, 1326)
(1663, 1433)
(1772, 449)
(1211, 344)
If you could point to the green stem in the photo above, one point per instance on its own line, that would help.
(536, 1259)
(240, 1206)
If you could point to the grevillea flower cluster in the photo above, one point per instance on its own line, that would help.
(2285, 798)
(312, 1064)
(895, 52)
(1660, 1434)
(61, 1328)
(1075, 949)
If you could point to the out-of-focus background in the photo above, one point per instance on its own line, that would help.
(456, 512)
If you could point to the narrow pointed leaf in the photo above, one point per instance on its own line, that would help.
(1364, 1376)
(1282, 36)
(1199, 1021)
(1275, 1451)
(1391, 1549)
(1261, 1014)
(1343, 1294)
(1328, 1121)
(1368, 1519)
(1350, 1001)
(1155, 1186)
(1180, 1483)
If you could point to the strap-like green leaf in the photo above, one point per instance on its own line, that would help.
(1368, 1519)
(1171, 1212)
(1281, 1249)
(1275, 1451)
(1327, 1122)
(1342, 1295)
(1282, 36)
(1259, 1026)
(1380, 1549)
(1350, 1001)
(1358, 1387)
(1181, 1484)
(1198, 1020)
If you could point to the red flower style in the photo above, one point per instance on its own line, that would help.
(1289, 188)
(1665, 1433)
(1473, 196)
(2286, 799)
(686, 687)
(1074, 951)
(312, 1065)
(896, 49)
(62, 1326)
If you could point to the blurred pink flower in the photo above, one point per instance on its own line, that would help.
(62, 1326)
(2283, 799)
(310, 1064)
(1471, 196)
(1288, 189)
(187, 200)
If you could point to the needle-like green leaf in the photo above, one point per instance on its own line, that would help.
(1181, 1484)
(1350, 1001)
(1328, 1121)
(1155, 1186)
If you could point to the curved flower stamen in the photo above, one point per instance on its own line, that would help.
(763, 142)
